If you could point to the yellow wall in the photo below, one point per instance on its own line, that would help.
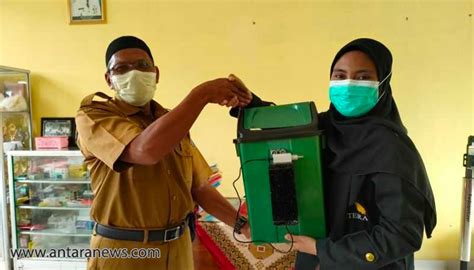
(282, 50)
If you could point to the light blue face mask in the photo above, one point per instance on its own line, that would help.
(353, 98)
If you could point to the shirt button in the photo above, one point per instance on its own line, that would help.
(369, 256)
(174, 197)
(169, 172)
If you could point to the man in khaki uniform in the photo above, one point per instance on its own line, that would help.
(146, 173)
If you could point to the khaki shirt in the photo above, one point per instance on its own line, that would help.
(130, 195)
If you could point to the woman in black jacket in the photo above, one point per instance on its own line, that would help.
(378, 196)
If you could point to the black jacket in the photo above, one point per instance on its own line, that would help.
(381, 229)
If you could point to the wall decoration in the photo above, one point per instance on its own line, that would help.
(86, 11)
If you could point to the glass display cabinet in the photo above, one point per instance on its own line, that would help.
(50, 199)
(15, 120)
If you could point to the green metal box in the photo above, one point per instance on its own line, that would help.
(282, 195)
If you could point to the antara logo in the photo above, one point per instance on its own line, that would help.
(361, 213)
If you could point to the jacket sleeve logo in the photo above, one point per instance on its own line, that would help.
(358, 212)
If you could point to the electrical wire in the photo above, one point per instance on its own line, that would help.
(238, 212)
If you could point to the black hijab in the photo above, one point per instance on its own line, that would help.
(376, 142)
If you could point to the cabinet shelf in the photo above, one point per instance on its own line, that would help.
(32, 261)
(52, 232)
(44, 181)
(54, 207)
(10, 112)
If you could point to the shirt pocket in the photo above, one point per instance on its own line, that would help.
(185, 162)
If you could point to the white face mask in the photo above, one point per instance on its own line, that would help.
(135, 87)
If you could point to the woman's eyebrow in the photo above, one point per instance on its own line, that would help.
(339, 70)
(364, 70)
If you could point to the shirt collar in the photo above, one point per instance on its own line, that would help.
(128, 109)
(151, 108)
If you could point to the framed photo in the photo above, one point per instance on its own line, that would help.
(60, 126)
(86, 11)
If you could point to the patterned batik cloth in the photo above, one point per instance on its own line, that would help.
(230, 254)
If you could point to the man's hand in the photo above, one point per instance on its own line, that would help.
(244, 90)
(223, 92)
(215, 204)
(303, 243)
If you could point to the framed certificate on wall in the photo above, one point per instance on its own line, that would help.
(86, 11)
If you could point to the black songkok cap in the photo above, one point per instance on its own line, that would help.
(125, 42)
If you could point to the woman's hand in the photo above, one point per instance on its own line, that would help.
(303, 243)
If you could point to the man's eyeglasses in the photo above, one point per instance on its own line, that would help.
(122, 68)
